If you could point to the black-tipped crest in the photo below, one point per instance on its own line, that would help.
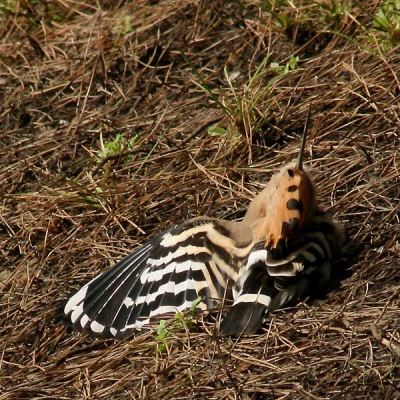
(291, 199)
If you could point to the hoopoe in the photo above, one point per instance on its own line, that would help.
(283, 248)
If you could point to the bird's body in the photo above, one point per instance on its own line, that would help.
(283, 248)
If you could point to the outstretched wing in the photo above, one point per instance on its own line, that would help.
(164, 276)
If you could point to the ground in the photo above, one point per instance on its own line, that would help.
(120, 119)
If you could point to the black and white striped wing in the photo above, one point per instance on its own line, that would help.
(273, 279)
(254, 290)
(164, 276)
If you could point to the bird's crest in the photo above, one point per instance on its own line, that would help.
(292, 199)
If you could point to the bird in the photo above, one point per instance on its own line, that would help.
(281, 251)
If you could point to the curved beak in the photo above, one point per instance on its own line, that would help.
(299, 163)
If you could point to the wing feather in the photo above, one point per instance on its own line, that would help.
(200, 258)
(273, 279)
(162, 277)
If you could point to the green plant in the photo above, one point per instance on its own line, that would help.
(97, 188)
(215, 130)
(334, 12)
(97, 194)
(124, 27)
(163, 332)
(247, 106)
(291, 65)
(387, 21)
(278, 10)
(114, 148)
(187, 319)
(180, 320)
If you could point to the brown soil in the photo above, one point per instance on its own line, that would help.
(73, 74)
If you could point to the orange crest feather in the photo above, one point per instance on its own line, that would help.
(294, 199)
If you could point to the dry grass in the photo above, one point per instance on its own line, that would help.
(72, 73)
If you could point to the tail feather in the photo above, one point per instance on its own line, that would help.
(250, 307)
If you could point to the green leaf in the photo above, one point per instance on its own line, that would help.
(275, 65)
(293, 62)
(162, 331)
(215, 130)
(195, 304)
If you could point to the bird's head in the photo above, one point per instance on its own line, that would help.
(286, 204)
